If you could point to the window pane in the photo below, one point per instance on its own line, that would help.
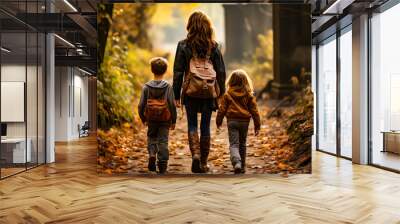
(327, 97)
(313, 85)
(386, 88)
(345, 94)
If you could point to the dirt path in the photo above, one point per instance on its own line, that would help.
(219, 158)
(265, 152)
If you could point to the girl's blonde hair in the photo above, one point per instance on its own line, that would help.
(239, 78)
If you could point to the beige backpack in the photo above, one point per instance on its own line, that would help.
(201, 79)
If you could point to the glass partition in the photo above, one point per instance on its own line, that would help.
(22, 78)
(13, 94)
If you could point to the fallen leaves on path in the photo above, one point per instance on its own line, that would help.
(124, 150)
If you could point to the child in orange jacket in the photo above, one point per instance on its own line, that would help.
(239, 105)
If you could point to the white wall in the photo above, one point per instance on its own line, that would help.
(62, 82)
(80, 110)
(11, 73)
(16, 73)
(71, 102)
(33, 127)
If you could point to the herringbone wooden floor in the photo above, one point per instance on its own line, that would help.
(71, 191)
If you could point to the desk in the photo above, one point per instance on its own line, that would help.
(391, 141)
(16, 147)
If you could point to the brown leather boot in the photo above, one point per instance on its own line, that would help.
(204, 151)
(152, 148)
(162, 167)
(194, 146)
(242, 153)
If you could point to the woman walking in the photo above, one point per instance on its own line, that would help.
(199, 79)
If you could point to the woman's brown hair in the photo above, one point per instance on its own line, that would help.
(200, 35)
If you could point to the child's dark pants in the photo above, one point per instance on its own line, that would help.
(157, 141)
(237, 141)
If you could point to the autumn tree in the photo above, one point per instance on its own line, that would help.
(127, 51)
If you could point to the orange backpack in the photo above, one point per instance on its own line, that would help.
(157, 109)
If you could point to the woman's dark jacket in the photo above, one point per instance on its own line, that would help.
(181, 64)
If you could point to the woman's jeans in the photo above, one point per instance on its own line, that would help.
(191, 114)
(237, 131)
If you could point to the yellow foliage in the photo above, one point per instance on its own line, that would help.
(167, 14)
(125, 67)
(164, 14)
(261, 65)
(125, 64)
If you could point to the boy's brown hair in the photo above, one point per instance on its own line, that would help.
(158, 65)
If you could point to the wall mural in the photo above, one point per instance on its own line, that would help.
(204, 88)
